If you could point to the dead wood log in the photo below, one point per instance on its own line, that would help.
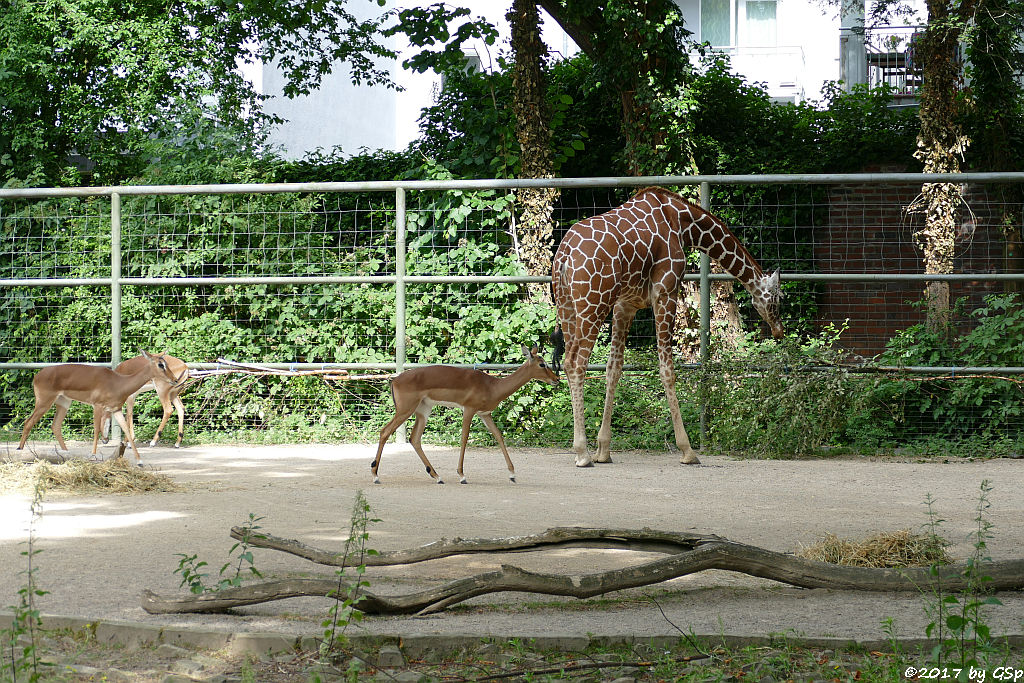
(642, 540)
(707, 552)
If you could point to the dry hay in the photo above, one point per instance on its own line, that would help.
(76, 475)
(883, 550)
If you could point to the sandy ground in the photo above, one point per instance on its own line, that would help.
(100, 552)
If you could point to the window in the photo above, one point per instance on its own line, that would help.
(716, 22)
(747, 23)
(759, 28)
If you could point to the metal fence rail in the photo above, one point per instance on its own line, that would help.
(396, 253)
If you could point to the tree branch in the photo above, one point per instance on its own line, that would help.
(689, 554)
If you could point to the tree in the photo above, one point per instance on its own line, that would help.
(111, 84)
(995, 64)
(533, 131)
(941, 144)
(987, 115)
(641, 49)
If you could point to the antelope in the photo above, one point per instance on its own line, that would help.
(477, 393)
(167, 393)
(100, 387)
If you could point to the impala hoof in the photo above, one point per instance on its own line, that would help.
(376, 480)
(512, 478)
(463, 481)
(440, 481)
(139, 464)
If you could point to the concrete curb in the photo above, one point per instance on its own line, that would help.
(433, 646)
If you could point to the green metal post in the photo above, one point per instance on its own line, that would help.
(115, 293)
(705, 307)
(400, 290)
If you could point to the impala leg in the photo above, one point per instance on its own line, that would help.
(664, 318)
(63, 403)
(127, 429)
(97, 426)
(41, 408)
(180, 407)
(415, 439)
(389, 429)
(165, 403)
(129, 408)
(98, 419)
(489, 421)
(622, 318)
(104, 426)
(467, 421)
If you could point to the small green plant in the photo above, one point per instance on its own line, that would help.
(348, 595)
(964, 639)
(20, 658)
(190, 566)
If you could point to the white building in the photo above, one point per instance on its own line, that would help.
(792, 47)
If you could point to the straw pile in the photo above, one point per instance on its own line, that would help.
(883, 550)
(116, 475)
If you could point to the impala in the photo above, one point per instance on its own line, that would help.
(167, 392)
(477, 393)
(100, 387)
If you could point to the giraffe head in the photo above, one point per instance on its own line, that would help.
(765, 293)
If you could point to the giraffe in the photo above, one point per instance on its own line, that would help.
(630, 258)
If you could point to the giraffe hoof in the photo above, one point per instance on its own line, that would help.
(690, 459)
(584, 462)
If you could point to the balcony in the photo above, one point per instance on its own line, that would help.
(883, 55)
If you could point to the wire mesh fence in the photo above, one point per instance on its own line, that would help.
(366, 280)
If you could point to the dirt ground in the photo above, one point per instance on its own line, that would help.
(99, 552)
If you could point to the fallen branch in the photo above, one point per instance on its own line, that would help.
(705, 552)
(643, 540)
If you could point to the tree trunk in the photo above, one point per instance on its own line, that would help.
(533, 234)
(941, 145)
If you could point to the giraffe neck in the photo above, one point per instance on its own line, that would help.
(703, 231)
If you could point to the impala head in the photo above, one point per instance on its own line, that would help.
(159, 362)
(765, 295)
(541, 370)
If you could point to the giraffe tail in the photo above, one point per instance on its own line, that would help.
(558, 341)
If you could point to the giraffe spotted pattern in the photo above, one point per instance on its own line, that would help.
(630, 258)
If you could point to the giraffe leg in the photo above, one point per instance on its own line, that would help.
(577, 354)
(664, 319)
(622, 318)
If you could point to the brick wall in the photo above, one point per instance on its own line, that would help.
(869, 231)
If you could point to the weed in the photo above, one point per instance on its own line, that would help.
(190, 566)
(964, 639)
(347, 595)
(20, 658)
